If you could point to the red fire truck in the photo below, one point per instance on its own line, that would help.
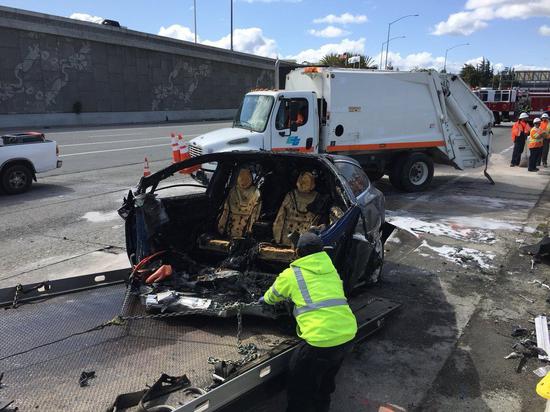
(507, 103)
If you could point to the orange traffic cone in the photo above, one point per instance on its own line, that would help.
(146, 170)
(184, 155)
(175, 148)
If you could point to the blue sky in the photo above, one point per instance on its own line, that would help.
(507, 32)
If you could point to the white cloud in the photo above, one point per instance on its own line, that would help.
(544, 30)
(250, 40)
(314, 55)
(177, 31)
(329, 31)
(86, 17)
(345, 18)
(478, 13)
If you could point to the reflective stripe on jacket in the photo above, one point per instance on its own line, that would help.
(519, 127)
(323, 316)
(536, 138)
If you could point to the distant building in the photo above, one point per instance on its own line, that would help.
(533, 78)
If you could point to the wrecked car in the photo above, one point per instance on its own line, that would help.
(214, 248)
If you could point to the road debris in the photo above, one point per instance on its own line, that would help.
(540, 251)
(519, 332)
(526, 298)
(543, 340)
(85, 378)
(541, 284)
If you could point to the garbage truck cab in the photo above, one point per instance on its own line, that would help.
(394, 123)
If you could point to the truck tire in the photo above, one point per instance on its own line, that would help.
(395, 172)
(416, 172)
(16, 179)
(497, 118)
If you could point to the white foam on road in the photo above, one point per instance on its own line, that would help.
(98, 217)
(418, 227)
(462, 256)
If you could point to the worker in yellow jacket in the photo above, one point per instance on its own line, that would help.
(324, 321)
(536, 143)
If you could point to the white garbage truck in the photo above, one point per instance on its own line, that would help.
(394, 123)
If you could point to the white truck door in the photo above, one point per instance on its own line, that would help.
(295, 125)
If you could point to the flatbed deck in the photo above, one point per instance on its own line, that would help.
(42, 370)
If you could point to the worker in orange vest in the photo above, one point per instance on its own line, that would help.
(545, 125)
(536, 143)
(520, 132)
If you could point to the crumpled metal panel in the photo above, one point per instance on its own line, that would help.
(125, 358)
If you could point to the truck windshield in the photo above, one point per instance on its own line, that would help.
(254, 112)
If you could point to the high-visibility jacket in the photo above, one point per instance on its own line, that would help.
(518, 127)
(322, 314)
(545, 125)
(536, 137)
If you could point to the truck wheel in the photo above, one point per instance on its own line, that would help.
(16, 179)
(417, 171)
(395, 172)
(497, 117)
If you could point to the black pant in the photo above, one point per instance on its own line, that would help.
(519, 144)
(311, 377)
(534, 157)
(545, 151)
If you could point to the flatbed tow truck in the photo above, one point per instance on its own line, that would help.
(92, 343)
(52, 332)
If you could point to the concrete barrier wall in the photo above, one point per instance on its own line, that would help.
(51, 65)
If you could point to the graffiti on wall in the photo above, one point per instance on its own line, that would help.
(36, 59)
(163, 92)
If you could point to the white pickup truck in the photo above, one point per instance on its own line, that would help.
(394, 123)
(22, 156)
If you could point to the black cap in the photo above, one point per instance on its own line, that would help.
(308, 244)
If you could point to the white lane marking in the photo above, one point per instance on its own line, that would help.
(505, 150)
(111, 135)
(122, 141)
(114, 150)
(184, 125)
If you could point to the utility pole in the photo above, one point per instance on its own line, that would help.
(231, 24)
(447, 51)
(195, 17)
(382, 49)
(389, 28)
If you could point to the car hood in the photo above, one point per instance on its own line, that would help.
(228, 139)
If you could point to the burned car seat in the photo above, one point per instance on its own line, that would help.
(240, 211)
(295, 215)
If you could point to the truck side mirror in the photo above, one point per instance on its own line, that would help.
(293, 126)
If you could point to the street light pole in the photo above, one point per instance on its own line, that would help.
(389, 28)
(195, 17)
(382, 49)
(447, 51)
(231, 24)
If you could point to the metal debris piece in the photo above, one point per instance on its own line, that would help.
(513, 355)
(526, 298)
(519, 332)
(543, 340)
(539, 250)
(541, 284)
(85, 378)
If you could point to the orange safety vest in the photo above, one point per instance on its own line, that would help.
(535, 137)
(518, 127)
(545, 125)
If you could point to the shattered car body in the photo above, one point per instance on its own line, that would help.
(220, 247)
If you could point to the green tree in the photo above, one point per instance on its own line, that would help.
(341, 60)
(470, 75)
(480, 75)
